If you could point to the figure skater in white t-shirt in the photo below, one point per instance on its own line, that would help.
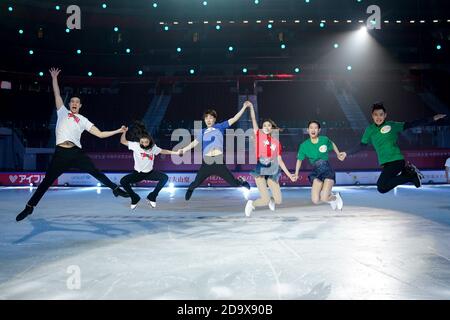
(144, 153)
(68, 153)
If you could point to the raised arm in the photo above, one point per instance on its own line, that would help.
(58, 100)
(238, 115)
(123, 138)
(106, 134)
(253, 116)
(423, 122)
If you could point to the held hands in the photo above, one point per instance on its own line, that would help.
(439, 116)
(293, 177)
(341, 156)
(248, 104)
(54, 72)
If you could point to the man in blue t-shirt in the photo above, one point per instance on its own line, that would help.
(212, 150)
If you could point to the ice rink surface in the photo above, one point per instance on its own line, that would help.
(82, 243)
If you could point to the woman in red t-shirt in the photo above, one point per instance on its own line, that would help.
(269, 161)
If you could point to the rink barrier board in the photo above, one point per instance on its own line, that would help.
(183, 179)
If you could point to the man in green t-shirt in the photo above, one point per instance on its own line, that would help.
(383, 136)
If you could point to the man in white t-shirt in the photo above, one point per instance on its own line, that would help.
(68, 153)
(447, 170)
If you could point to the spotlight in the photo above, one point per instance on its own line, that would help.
(10, 9)
(218, 27)
(57, 8)
(67, 30)
(20, 31)
(205, 3)
(31, 184)
(244, 70)
(269, 26)
(322, 25)
(128, 50)
(166, 28)
(230, 48)
(349, 68)
(256, 1)
(297, 70)
(283, 46)
(90, 74)
(31, 52)
(155, 5)
(104, 6)
(438, 47)
(178, 49)
(116, 29)
(78, 51)
(191, 71)
(140, 72)
(41, 74)
(99, 184)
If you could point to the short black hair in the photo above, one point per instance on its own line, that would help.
(76, 96)
(314, 121)
(210, 112)
(378, 106)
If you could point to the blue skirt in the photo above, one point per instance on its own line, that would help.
(273, 173)
(322, 170)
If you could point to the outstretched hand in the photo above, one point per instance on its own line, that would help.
(342, 155)
(54, 72)
(439, 116)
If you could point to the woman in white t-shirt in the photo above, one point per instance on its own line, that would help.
(144, 153)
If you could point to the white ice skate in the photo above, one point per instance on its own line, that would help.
(249, 208)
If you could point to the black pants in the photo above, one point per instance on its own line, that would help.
(393, 174)
(139, 176)
(63, 160)
(213, 166)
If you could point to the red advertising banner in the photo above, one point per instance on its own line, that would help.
(22, 179)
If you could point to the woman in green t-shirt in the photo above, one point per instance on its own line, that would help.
(323, 177)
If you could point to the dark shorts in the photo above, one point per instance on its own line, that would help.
(262, 171)
(322, 170)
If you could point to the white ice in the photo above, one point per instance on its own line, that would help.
(392, 246)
